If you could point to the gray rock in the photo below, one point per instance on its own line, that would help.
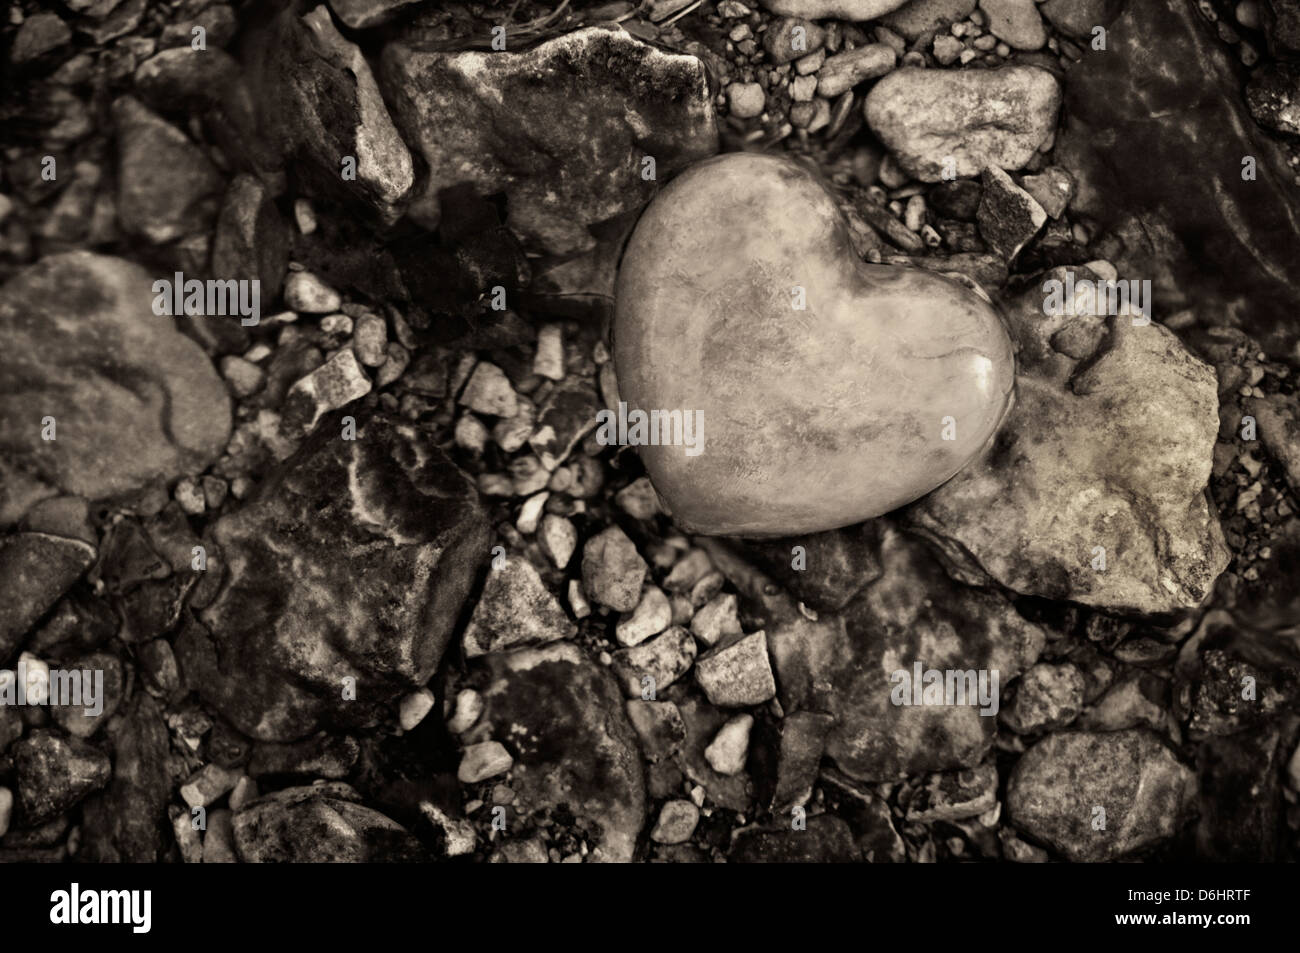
(56, 773)
(124, 824)
(841, 9)
(1081, 465)
(738, 673)
(39, 34)
(953, 795)
(1060, 787)
(1278, 419)
(183, 78)
(64, 323)
(1015, 22)
(384, 524)
(843, 71)
(333, 385)
(803, 741)
(1008, 216)
(654, 665)
(920, 16)
(676, 823)
(727, 752)
(660, 727)
(318, 102)
(746, 100)
(1077, 18)
(36, 569)
(612, 570)
(978, 118)
(319, 824)
(845, 665)
(827, 840)
(782, 43)
(1047, 697)
(1273, 96)
(167, 187)
(572, 743)
(324, 755)
(251, 240)
(549, 128)
(74, 718)
(1053, 189)
(1180, 174)
(515, 609)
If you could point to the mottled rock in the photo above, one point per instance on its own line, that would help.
(676, 823)
(787, 425)
(827, 569)
(803, 741)
(319, 104)
(1008, 216)
(35, 570)
(1047, 697)
(652, 666)
(384, 524)
(612, 570)
(659, 726)
(737, 673)
(954, 795)
(1273, 96)
(324, 755)
(515, 609)
(978, 118)
(651, 616)
(561, 130)
(167, 186)
(335, 384)
(846, 666)
(72, 327)
(1278, 419)
(56, 773)
(1053, 189)
(1171, 200)
(1111, 452)
(319, 824)
(1060, 787)
(572, 743)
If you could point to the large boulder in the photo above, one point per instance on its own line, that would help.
(1094, 489)
(562, 130)
(133, 400)
(1159, 157)
(352, 562)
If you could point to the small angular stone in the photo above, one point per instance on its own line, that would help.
(730, 747)
(1008, 215)
(488, 391)
(738, 674)
(649, 668)
(515, 609)
(612, 570)
(482, 761)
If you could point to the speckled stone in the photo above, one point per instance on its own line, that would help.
(797, 405)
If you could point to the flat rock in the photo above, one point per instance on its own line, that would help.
(1112, 452)
(319, 824)
(1158, 158)
(737, 673)
(64, 323)
(845, 665)
(560, 130)
(384, 524)
(572, 743)
(1015, 22)
(1059, 785)
(978, 118)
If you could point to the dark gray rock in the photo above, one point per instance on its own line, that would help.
(827, 840)
(55, 773)
(35, 570)
(1065, 788)
(251, 239)
(385, 525)
(564, 719)
(320, 824)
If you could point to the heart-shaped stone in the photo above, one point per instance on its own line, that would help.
(885, 383)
